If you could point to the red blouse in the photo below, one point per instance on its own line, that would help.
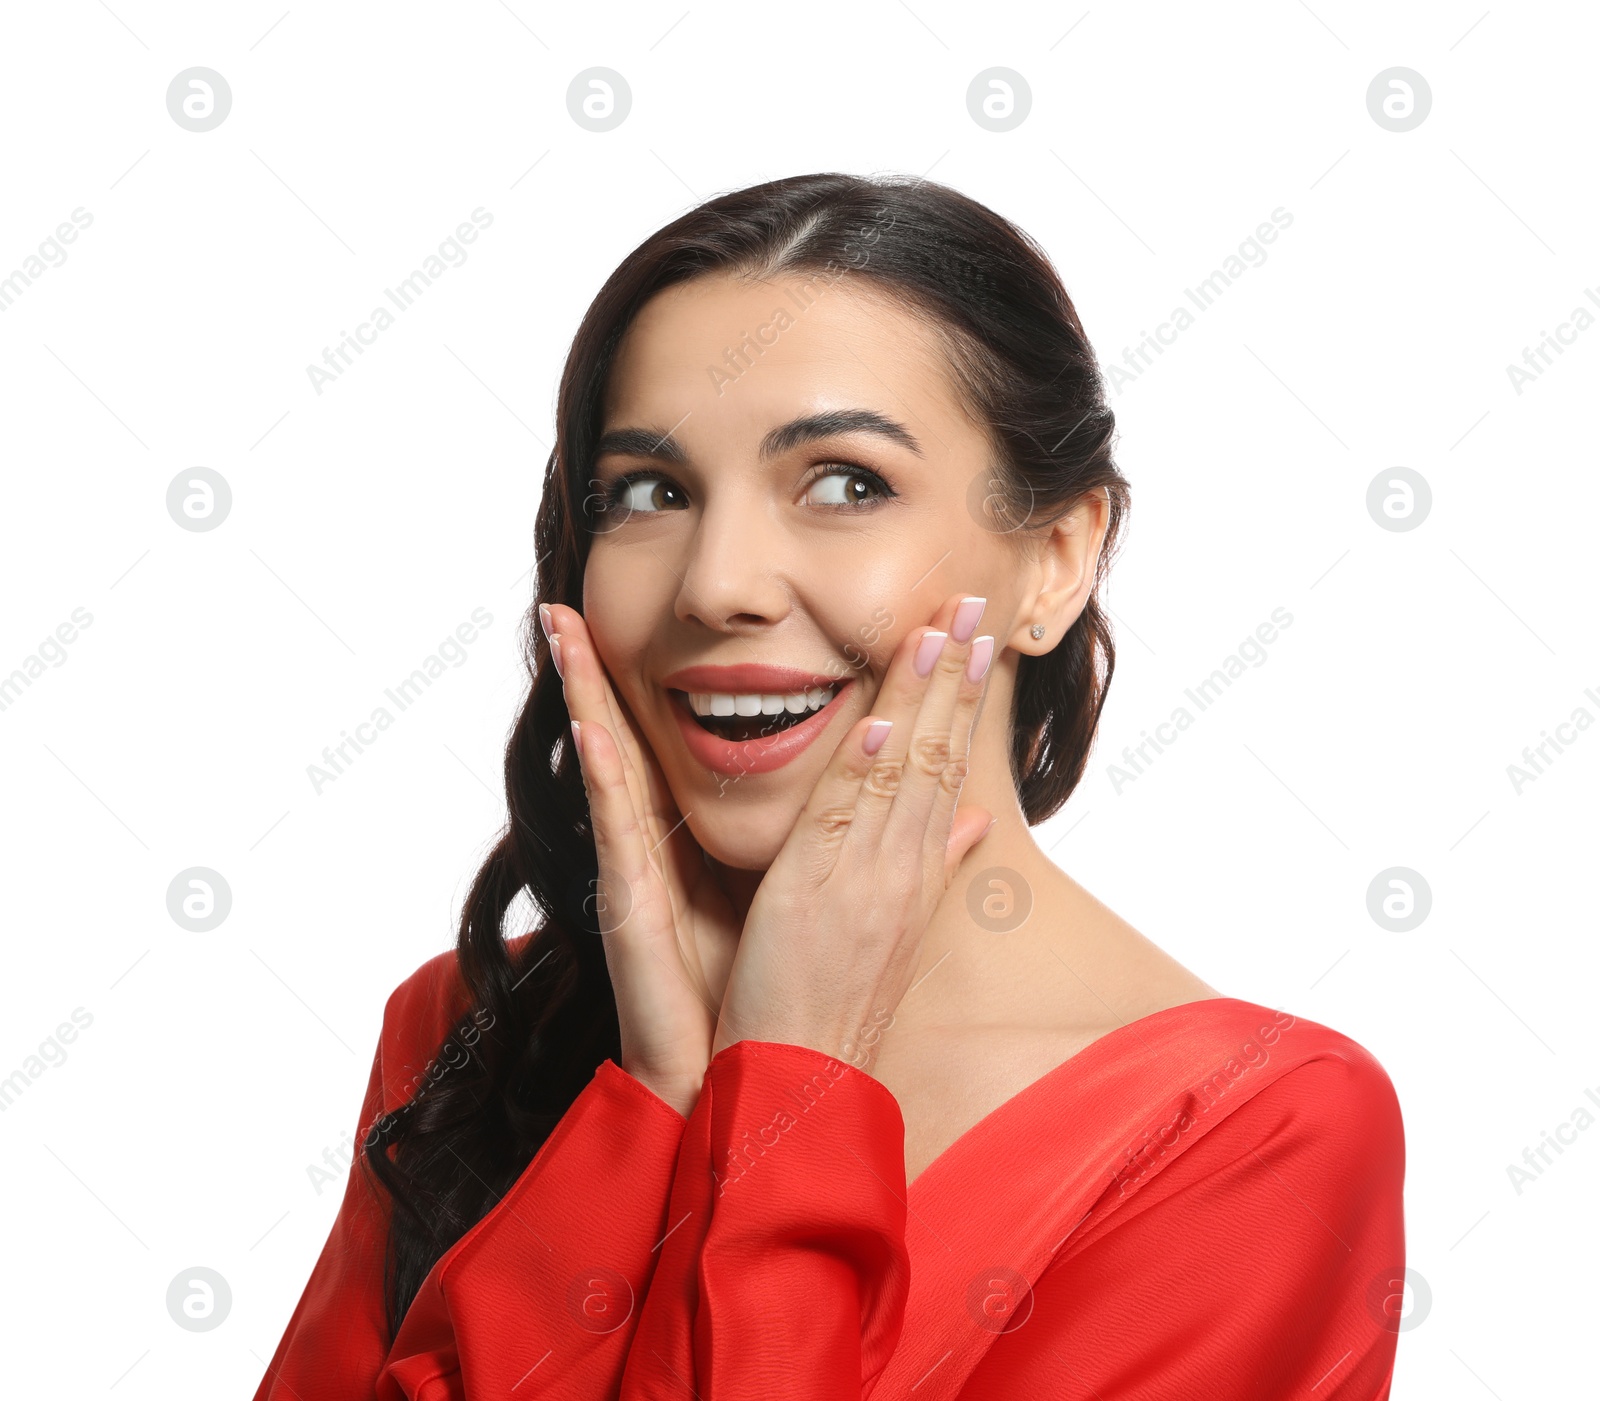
(1204, 1202)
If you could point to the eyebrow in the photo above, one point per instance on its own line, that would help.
(648, 442)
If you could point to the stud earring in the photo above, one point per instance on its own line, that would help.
(1037, 630)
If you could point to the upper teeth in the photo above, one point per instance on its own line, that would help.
(763, 703)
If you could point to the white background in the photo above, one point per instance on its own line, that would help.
(370, 520)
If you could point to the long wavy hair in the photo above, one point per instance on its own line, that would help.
(1021, 358)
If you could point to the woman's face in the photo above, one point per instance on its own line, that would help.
(803, 475)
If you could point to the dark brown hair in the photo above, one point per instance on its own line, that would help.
(1027, 370)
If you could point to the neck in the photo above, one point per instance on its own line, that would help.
(737, 884)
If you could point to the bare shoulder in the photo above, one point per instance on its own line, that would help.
(1129, 973)
(1075, 973)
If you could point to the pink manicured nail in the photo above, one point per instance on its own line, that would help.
(544, 618)
(966, 619)
(928, 652)
(877, 732)
(978, 661)
(577, 738)
(555, 655)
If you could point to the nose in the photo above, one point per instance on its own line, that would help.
(731, 577)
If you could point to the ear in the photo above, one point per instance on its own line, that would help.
(1066, 562)
(970, 826)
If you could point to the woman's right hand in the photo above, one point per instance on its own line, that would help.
(669, 931)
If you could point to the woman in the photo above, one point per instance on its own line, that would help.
(812, 1082)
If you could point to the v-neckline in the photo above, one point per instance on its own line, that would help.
(1035, 1089)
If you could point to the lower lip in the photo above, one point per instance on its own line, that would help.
(762, 754)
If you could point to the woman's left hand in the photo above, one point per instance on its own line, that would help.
(833, 934)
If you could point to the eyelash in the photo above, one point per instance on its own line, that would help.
(618, 488)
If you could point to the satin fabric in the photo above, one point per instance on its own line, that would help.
(1205, 1202)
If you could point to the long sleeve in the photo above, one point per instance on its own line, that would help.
(550, 1279)
(786, 1273)
(1265, 1261)
(548, 1286)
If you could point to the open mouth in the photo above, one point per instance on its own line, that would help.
(741, 718)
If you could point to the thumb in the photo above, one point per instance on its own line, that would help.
(970, 826)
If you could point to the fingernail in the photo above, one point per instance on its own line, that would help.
(928, 652)
(978, 661)
(555, 655)
(577, 739)
(544, 618)
(966, 619)
(877, 732)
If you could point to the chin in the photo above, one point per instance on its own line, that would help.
(743, 842)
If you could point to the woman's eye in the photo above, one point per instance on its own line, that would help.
(650, 493)
(645, 494)
(842, 486)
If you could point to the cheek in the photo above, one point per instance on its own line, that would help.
(867, 645)
(618, 621)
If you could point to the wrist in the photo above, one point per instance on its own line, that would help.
(676, 1091)
(858, 1048)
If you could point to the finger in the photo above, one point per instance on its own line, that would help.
(895, 810)
(830, 812)
(590, 696)
(857, 785)
(969, 827)
(571, 631)
(619, 838)
(980, 661)
(872, 790)
(612, 819)
(586, 689)
(671, 846)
